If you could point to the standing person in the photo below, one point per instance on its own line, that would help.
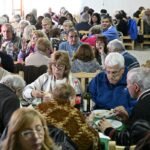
(11, 87)
(58, 72)
(72, 43)
(138, 84)
(108, 88)
(27, 130)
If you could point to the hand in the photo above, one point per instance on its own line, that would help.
(37, 94)
(47, 97)
(104, 124)
(121, 113)
(24, 45)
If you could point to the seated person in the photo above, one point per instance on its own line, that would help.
(58, 72)
(138, 84)
(10, 43)
(84, 60)
(6, 62)
(72, 43)
(108, 88)
(84, 23)
(72, 122)
(108, 29)
(11, 87)
(93, 33)
(27, 131)
(42, 53)
(117, 46)
(28, 47)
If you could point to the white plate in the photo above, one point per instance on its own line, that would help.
(115, 123)
(102, 113)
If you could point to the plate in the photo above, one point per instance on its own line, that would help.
(115, 123)
(103, 113)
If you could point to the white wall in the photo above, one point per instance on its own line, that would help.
(75, 6)
(129, 6)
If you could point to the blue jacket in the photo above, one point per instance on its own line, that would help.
(111, 33)
(109, 96)
(130, 61)
(133, 31)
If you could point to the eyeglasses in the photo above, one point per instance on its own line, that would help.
(113, 73)
(59, 67)
(76, 36)
(28, 134)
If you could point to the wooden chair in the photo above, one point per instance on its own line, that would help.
(123, 147)
(146, 37)
(128, 42)
(82, 33)
(31, 73)
(84, 78)
(113, 146)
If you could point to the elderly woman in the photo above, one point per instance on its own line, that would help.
(11, 87)
(29, 45)
(42, 53)
(58, 72)
(84, 60)
(27, 130)
(47, 26)
(72, 122)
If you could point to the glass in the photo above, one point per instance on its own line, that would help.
(59, 67)
(76, 36)
(28, 134)
(113, 73)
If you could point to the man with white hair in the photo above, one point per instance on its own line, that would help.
(117, 46)
(138, 123)
(11, 87)
(108, 88)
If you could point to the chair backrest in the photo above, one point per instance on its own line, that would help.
(31, 73)
(113, 146)
(84, 78)
(118, 147)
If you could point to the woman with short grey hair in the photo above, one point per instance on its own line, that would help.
(11, 87)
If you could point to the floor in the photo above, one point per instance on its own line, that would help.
(141, 54)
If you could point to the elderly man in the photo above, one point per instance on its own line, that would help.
(138, 84)
(72, 43)
(11, 87)
(10, 43)
(117, 46)
(108, 88)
